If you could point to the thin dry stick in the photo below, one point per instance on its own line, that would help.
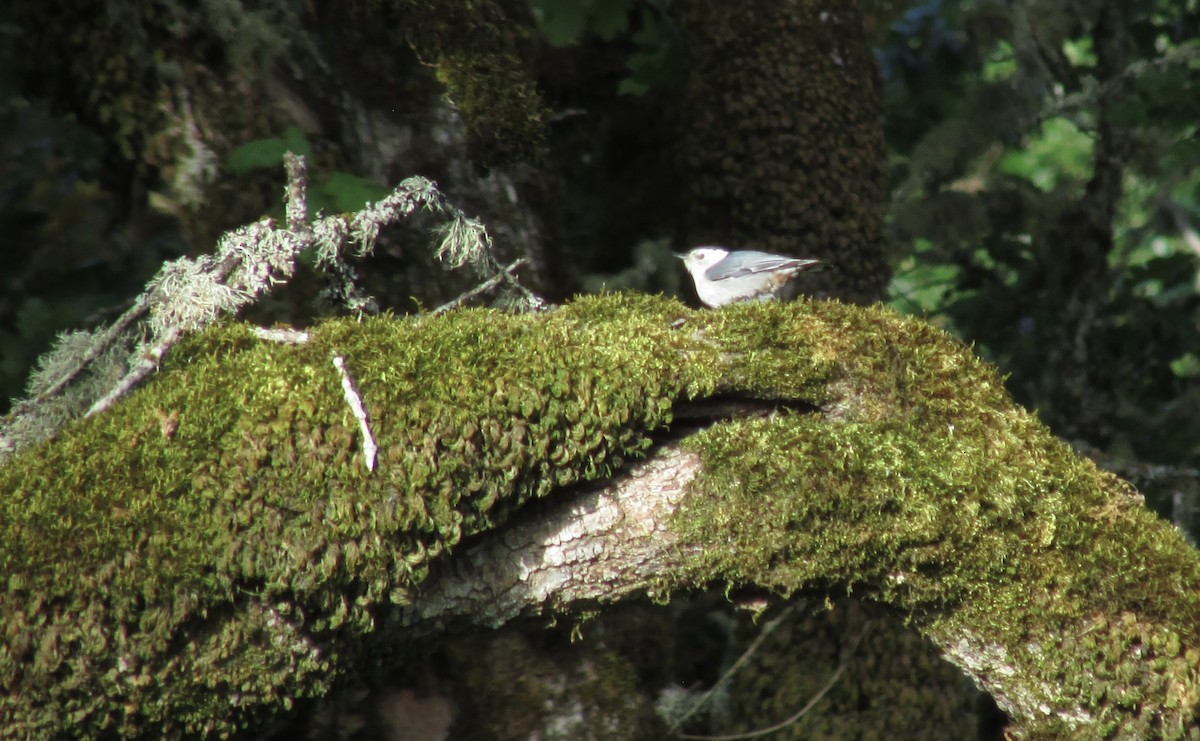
(837, 673)
(109, 336)
(143, 368)
(532, 300)
(487, 285)
(768, 628)
(354, 400)
(284, 335)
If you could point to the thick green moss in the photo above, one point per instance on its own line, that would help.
(213, 548)
(226, 506)
(925, 487)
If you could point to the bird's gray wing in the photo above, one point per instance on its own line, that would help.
(749, 262)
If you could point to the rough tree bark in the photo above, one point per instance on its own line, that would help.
(212, 550)
(781, 137)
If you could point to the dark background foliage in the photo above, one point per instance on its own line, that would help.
(1047, 190)
(1042, 163)
(1002, 124)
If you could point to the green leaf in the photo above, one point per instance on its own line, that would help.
(655, 63)
(922, 288)
(1186, 366)
(296, 142)
(1057, 154)
(255, 155)
(562, 21)
(610, 18)
(343, 192)
(631, 86)
(264, 153)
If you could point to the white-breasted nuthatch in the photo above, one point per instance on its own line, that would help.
(724, 277)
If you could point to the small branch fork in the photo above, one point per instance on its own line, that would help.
(189, 294)
(487, 285)
(144, 366)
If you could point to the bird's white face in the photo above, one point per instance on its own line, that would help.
(702, 258)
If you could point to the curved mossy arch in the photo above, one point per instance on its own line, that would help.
(214, 548)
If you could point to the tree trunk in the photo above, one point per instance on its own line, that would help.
(781, 137)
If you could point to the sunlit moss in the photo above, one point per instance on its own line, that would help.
(213, 548)
(925, 487)
(234, 485)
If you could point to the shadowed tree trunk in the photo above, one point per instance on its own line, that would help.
(377, 91)
(782, 147)
(782, 138)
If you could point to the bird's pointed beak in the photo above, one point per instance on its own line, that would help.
(680, 255)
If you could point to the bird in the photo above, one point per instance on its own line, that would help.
(725, 277)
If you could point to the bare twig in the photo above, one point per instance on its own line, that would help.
(140, 370)
(285, 335)
(837, 674)
(354, 400)
(487, 285)
(768, 628)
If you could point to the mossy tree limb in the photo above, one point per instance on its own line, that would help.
(212, 550)
(1052, 660)
(602, 546)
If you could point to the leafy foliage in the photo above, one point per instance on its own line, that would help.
(564, 22)
(268, 153)
(339, 192)
(1006, 126)
(653, 59)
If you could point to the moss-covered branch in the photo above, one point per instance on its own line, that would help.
(600, 546)
(212, 549)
